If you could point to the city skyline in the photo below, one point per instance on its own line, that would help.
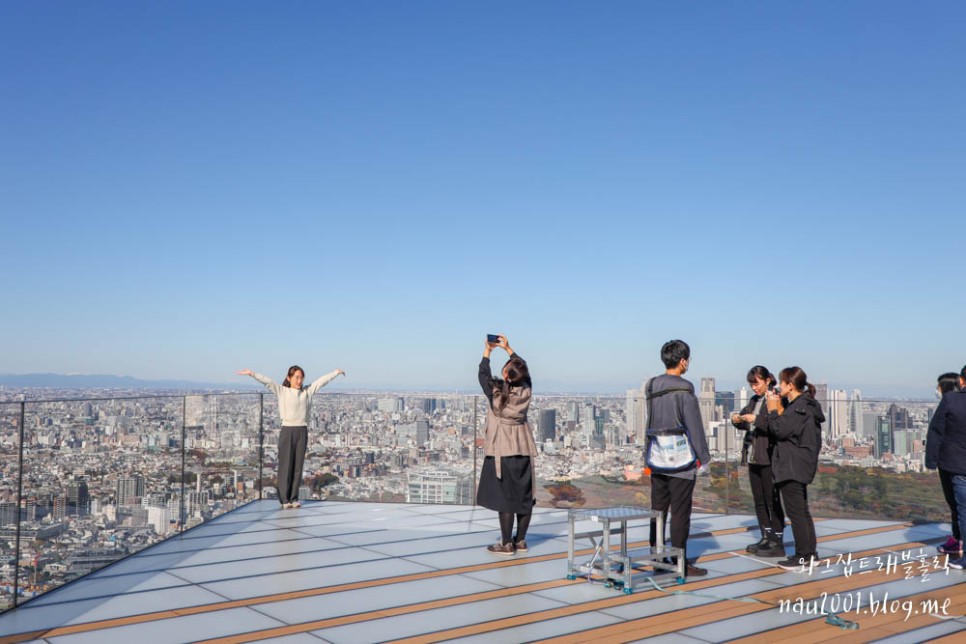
(189, 191)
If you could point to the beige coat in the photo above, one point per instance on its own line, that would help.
(507, 432)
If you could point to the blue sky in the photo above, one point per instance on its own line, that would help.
(189, 189)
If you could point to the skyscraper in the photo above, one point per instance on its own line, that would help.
(547, 425)
(422, 432)
(130, 489)
(884, 439)
(821, 395)
(636, 411)
(857, 426)
(572, 413)
(706, 402)
(838, 414)
(588, 418)
(78, 499)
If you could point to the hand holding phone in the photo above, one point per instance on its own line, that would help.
(492, 338)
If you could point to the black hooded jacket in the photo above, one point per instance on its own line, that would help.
(798, 440)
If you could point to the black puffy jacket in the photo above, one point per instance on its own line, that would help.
(798, 440)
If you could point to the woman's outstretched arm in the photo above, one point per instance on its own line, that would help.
(273, 386)
(324, 380)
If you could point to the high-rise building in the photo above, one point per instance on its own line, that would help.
(884, 438)
(837, 414)
(437, 486)
(588, 419)
(130, 489)
(598, 440)
(900, 417)
(160, 519)
(422, 432)
(58, 506)
(417, 431)
(725, 403)
(390, 405)
(8, 513)
(572, 414)
(636, 412)
(706, 402)
(821, 394)
(742, 398)
(78, 499)
(547, 425)
(856, 424)
(903, 444)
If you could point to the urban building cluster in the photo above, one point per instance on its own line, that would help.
(104, 477)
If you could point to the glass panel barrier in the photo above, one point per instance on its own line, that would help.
(872, 464)
(10, 429)
(415, 448)
(106, 477)
(102, 480)
(591, 454)
(221, 454)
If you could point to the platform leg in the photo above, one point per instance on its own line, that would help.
(570, 546)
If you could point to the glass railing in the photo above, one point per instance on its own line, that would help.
(86, 482)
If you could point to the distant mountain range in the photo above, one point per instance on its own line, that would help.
(81, 381)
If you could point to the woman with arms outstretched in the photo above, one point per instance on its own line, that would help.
(295, 408)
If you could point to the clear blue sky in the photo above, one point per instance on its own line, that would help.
(192, 188)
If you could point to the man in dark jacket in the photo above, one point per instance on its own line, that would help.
(946, 449)
(672, 404)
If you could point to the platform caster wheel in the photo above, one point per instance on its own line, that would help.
(680, 580)
(628, 591)
(571, 577)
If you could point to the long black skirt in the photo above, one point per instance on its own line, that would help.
(514, 492)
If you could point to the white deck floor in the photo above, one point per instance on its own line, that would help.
(359, 572)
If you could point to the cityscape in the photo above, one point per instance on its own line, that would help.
(105, 475)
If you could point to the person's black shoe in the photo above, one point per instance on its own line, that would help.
(774, 547)
(771, 550)
(797, 563)
(761, 543)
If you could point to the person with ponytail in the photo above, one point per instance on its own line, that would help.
(507, 481)
(295, 408)
(756, 453)
(795, 422)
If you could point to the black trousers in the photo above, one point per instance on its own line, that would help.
(795, 500)
(291, 458)
(768, 505)
(946, 479)
(675, 494)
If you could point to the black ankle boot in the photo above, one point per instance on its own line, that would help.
(774, 547)
(761, 543)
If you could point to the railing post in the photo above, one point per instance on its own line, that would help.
(184, 450)
(16, 565)
(727, 431)
(261, 440)
(476, 405)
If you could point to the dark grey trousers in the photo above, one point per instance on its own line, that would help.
(671, 492)
(291, 457)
